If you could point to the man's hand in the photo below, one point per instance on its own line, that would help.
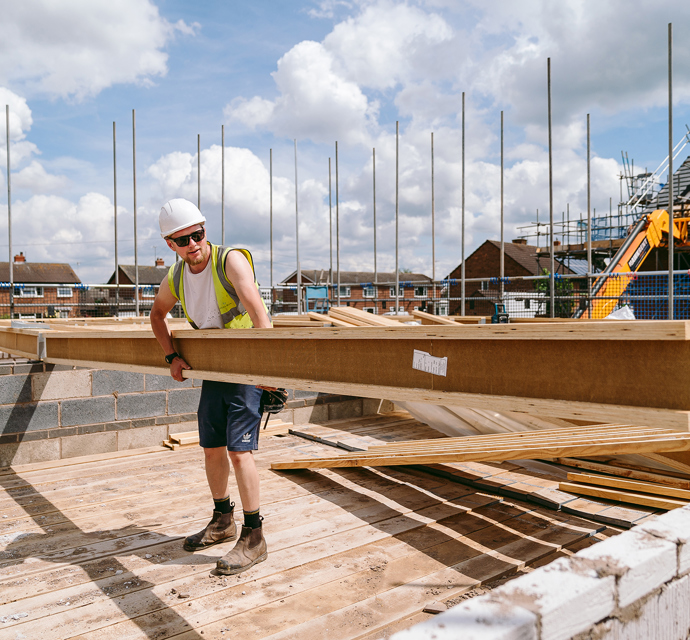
(176, 368)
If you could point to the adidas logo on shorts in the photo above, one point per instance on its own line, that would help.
(247, 437)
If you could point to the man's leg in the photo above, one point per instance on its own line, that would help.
(217, 471)
(243, 438)
(247, 477)
(212, 437)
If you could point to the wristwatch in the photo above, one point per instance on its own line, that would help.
(169, 358)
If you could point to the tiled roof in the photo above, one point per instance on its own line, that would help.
(39, 273)
(147, 275)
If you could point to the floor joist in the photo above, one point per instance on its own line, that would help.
(631, 372)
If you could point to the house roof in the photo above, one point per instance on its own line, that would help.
(320, 276)
(147, 275)
(681, 189)
(525, 255)
(39, 273)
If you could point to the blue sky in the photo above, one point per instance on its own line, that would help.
(318, 72)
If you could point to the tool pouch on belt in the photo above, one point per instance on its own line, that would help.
(273, 402)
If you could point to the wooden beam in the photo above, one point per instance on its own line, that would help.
(623, 472)
(430, 318)
(630, 372)
(680, 442)
(629, 485)
(622, 496)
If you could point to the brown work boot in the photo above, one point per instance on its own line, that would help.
(250, 549)
(221, 529)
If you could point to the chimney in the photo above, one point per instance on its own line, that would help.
(556, 243)
(20, 257)
(160, 262)
(520, 241)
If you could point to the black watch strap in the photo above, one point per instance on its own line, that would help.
(172, 356)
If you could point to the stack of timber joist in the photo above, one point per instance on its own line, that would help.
(639, 486)
(616, 372)
(580, 441)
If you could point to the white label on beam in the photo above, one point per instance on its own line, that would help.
(424, 361)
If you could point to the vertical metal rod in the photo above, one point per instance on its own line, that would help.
(589, 218)
(552, 277)
(670, 174)
(462, 223)
(222, 184)
(270, 212)
(330, 231)
(433, 213)
(503, 248)
(117, 266)
(337, 222)
(373, 167)
(299, 270)
(134, 175)
(567, 209)
(397, 210)
(9, 210)
(198, 171)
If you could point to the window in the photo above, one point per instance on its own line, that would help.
(527, 302)
(344, 291)
(148, 292)
(368, 292)
(370, 309)
(383, 304)
(401, 292)
(28, 292)
(471, 304)
(420, 292)
(484, 285)
(64, 292)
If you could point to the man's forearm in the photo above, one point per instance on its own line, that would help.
(162, 333)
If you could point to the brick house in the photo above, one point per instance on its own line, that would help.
(41, 289)
(357, 289)
(522, 297)
(150, 279)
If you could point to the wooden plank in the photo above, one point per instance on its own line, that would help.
(554, 451)
(326, 359)
(635, 474)
(629, 485)
(622, 496)
(430, 318)
(352, 314)
(677, 461)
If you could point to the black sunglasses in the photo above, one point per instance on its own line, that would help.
(183, 241)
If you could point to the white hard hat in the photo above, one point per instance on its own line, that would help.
(178, 214)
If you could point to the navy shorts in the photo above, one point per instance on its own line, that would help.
(229, 416)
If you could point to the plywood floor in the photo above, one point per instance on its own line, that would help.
(93, 549)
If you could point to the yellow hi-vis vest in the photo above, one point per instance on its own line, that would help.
(232, 312)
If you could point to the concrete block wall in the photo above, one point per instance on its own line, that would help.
(49, 412)
(633, 586)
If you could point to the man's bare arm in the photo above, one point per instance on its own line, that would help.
(240, 273)
(163, 303)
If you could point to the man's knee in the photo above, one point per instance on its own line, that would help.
(239, 458)
(214, 454)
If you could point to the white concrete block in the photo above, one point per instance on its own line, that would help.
(476, 619)
(673, 526)
(56, 385)
(641, 561)
(568, 598)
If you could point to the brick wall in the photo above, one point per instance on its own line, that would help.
(49, 412)
(635, 585)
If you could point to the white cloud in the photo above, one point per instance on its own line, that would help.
(36, 179)
(77, 48)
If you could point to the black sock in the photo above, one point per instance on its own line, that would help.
(252, 519)
(224, 505)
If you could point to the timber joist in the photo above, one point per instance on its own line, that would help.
(586, 441)
(609, 371)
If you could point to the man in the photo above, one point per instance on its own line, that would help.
(217, 289)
